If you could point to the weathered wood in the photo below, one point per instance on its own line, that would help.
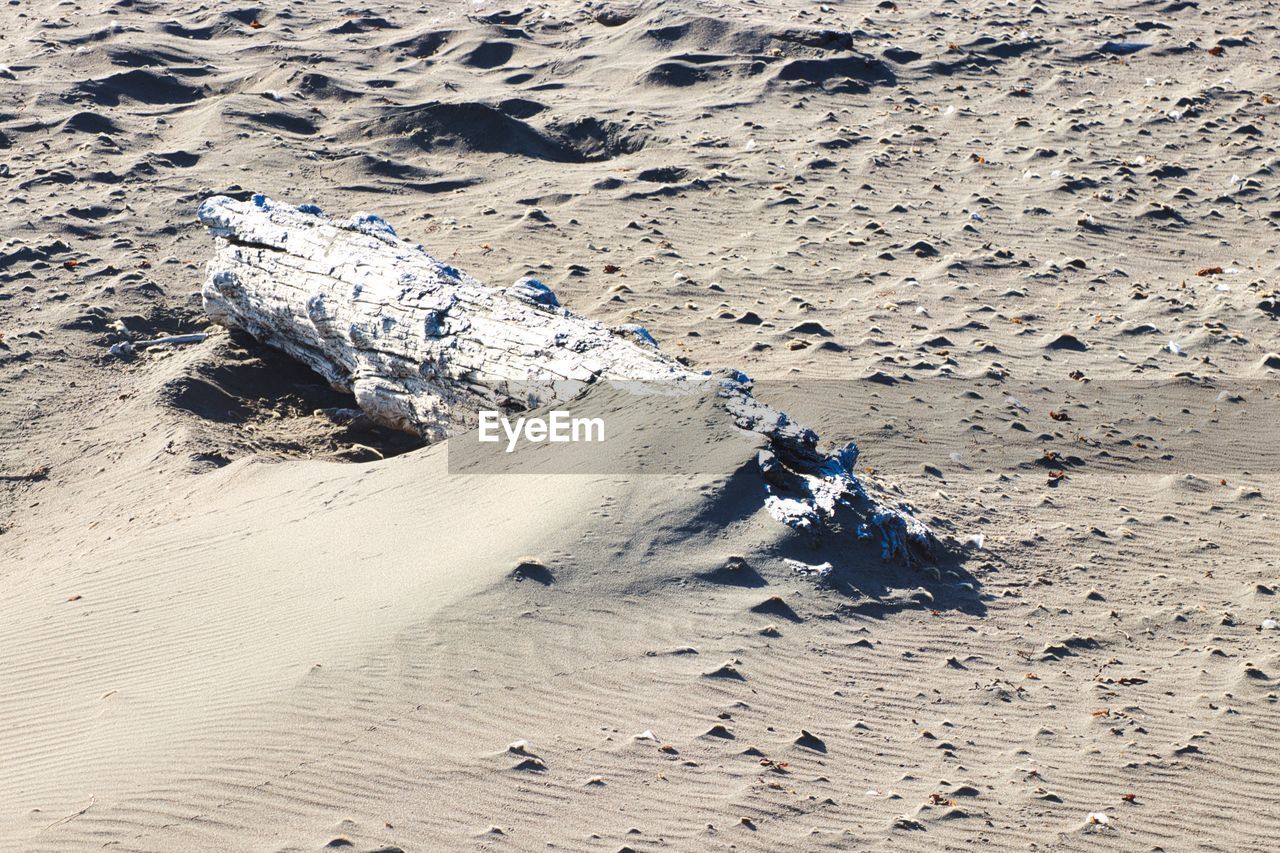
(423, 346)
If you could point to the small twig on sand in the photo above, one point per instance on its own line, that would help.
(92, 802)
(126, 348)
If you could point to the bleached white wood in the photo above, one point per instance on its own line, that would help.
(423, 346)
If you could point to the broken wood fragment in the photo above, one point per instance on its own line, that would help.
(423, 346)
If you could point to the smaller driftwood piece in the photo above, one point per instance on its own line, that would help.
(423, 346)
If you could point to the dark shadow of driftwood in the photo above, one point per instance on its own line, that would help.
(873, 587)
(245, 378)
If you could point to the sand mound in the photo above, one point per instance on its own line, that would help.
(357, 559)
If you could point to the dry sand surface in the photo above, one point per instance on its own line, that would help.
(229, 623)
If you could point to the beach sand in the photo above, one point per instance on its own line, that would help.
(1023, 254)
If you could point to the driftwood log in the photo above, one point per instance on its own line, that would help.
(423, 346)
